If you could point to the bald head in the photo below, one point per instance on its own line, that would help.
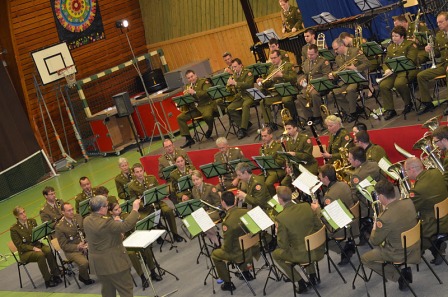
(413, 167)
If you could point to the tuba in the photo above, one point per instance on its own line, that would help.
(429, 155)
(403, 181)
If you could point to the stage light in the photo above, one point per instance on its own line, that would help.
(121, 24)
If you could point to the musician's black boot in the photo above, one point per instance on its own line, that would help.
(50, 284)
(178, 238)
(56, 278)
(188, 142)
(87, 281)
(302, 287)
(425, 107)
(145, 282)
(155, 276)
(241, 133)
(388, 114)
(228, 286)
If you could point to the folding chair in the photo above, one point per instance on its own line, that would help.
(13, 250)
(66, 265)
(440, 211)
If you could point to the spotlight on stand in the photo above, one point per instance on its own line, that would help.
(121, 24)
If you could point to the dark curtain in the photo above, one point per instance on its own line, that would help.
(17, 138)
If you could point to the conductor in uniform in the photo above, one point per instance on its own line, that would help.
(108, 258)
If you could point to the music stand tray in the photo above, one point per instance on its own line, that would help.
(126, 206)
(149, 221)
(266, 162)
(365, 5)
(259, 69)
(400, 64)
(167, 170)
(351, 77)
(187, 207)
(214, 169)
(183, 100)
(220, 79)
(266, 35)
(371, 48)
(286, 89)
(256, 94)
(185, 183)
(217, 92)
(324, 18)
(235, 162)
(322, 84)
(327, 54)
(155, 194)
(421, 37)
(41, 231)
(291, 159)
(84, 207)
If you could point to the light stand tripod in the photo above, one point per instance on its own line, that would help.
(123, 24)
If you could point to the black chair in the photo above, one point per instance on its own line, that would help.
(66, 265)
(13, 250)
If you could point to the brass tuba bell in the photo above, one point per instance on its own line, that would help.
(286, 116)
(431, 124)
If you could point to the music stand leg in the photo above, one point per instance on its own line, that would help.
(168, 234)
(211, 271)
(146, 271)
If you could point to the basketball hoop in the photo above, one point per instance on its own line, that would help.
(69, 73)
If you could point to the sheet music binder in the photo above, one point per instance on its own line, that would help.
(256, 220)
(337, 214)
(366, 187)
(149, 221)
(306, 181)
(141, 239)
(220, 79)
(84, 207)
(384, 165)
(199, 221)
(275, 204)
(40, 231)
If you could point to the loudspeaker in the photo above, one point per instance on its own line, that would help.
(123, 104)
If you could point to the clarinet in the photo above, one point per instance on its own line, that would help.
(319, 143)
(81, 236)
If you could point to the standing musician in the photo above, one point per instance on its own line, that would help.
(440, 49)
(293, 224)
(309, 99)
(398, 216)
(51, 211)
(168, 158)
(270, 147)
(429, 188)
(374, 152)
(440, 138)
(300, 147)
(291, 17)
(227, 57)
(310, 38)
(139, 185)
(339, 138)
(29, 251)
(87, 192)
(181, 170)
(399, 47)
(416, 26)
(241, 80)
(279, 72)
(123, 179)
(204, 107)
(348, 58)
(224, 156)
(273, 46)
(257, 193)
(70, 235)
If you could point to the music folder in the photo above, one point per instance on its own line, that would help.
(366, 187)
(256, 220)
(384, 165)
(141, 239)
(199, 221)
(306, 181)
(337, 214)
(275, 204)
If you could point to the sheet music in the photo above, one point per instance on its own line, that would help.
(256, 93)
(260, 218)
(306, 181)
(384, 165)
(142, 238)
(203, 219)
(365, 183)
(337, 214)
(157, 217)
(403, 151)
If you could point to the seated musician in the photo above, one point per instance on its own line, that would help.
(309, 99)
(209, 194)
(270, 147)
(51, 211)
(224, 156)
(399, 47)
(204, 106)
(299, 146)
(398, 216)
(294, 223)
(123, 179)
(257, 193)
(274, 46)
(339, 138)
(279, 72)
(359, 127)
(238, 83)
(440, 139)
(429, 188)
(87, 192)
(114, 211)
(348, 58)
(70, 235)
(168, 158)
(230, 249)
(139, 185)
(374, 152)
(227, 57)
(310, 38)
(440, 49)
(291, 17)
(181, 171)
(29, 251)
(337, 190)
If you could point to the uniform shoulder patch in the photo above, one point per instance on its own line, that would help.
(308, 140)
(326, 62)
(411, 195)
(214, 190)
(224, 228)
(355, 180)
(249, 74)
(347, 137)
(379, 224)
(258, 187)
(327, 201)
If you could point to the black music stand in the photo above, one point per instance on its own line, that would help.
(291, 159)
(365, 5)
(235, 162)
(84, 207)
(184, 183)
(215, 169)
(351, 77)
(327, 54)
(126, 206)
(421, 37)
(149, 222)
(324, 18)
(256, 94)
(266, 35)
(400, 64)
(220, 79)
(259, 69)
(322, 84)
(41, 231)
(286, 89)
(371, 48)
(184, 100)
(167, 171)
(185, 208)
(218, 92)
(266, 163)
(190, 103)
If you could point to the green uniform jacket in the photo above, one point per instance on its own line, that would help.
(200, 87)
(289, 75)
(429, 189)
(315, 69)
(399, 216)
(294, 223)
(303, 148)
(231, 232)
(21, 236)
(362, 63)
(68, 233)
(244, 81)
(407, 49)
(233, 153)
(441, 46)
(175, 175)
(257, 192)
(83, 196)
(336, 141)
(51, 214)
(136, 188)
(107, 254)
(375, 152)
(271, 150)
(445, 166)
(209, 194)
(121, 183)
(166, 160)
(291, 18)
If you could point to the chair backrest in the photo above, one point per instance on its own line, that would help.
(411, 236)
(441, 209)
(247, 241)
(12, 247)
(355, 210)
(55, 244)
(315, 240)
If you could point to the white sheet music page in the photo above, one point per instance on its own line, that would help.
(338, 215)
(203, 219)
(384, 166)
(260, 218)
(142, 238)
(306, 181)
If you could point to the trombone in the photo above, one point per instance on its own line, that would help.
(320, 41)
(271, 75)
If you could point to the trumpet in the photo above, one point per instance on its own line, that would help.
(346, 64)
(378, 80)
(271, 75)
(232, 87)
(320, 41)
(432, 55)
